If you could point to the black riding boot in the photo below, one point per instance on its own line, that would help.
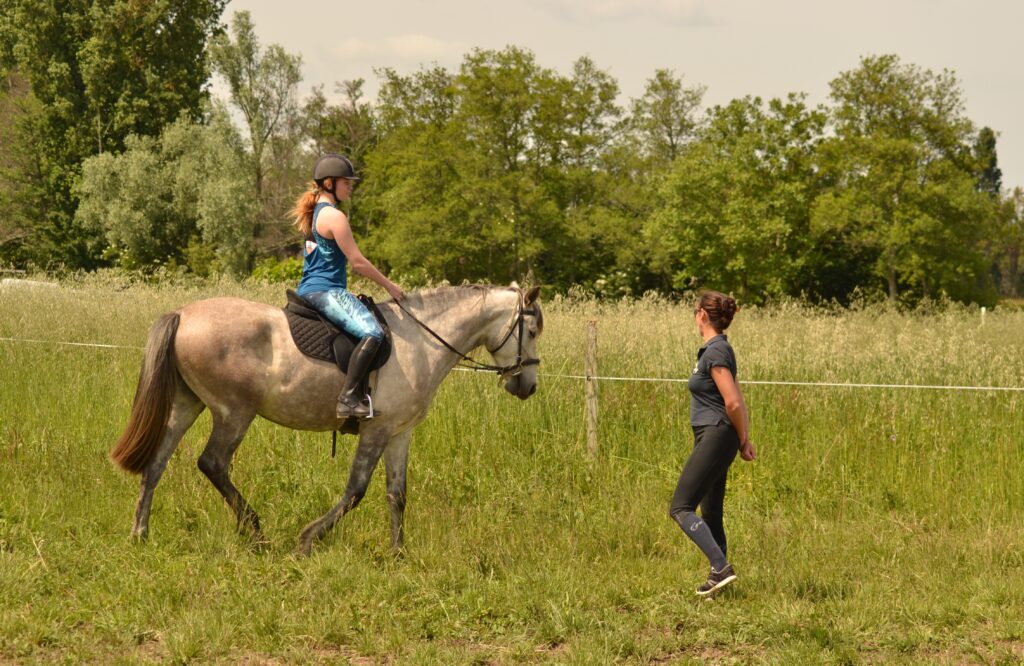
(351, 402)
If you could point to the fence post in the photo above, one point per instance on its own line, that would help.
(590, 387)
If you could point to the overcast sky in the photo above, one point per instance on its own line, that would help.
(734, 47)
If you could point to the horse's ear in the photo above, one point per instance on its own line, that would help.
(532, 295)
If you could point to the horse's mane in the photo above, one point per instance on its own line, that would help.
(429, 296)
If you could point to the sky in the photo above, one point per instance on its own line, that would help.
(733, 47)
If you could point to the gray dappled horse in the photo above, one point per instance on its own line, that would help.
(238, 359)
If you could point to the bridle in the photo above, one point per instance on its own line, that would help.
(503, 371)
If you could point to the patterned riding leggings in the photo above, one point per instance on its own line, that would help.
(702, 481)
(346, 312)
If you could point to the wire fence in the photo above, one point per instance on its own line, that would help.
(662, 380)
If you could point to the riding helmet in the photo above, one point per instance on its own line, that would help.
(333, 165)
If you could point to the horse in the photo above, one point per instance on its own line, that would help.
(238, 359)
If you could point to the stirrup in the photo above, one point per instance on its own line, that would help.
(345, 411)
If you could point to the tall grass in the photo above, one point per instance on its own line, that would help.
(877, 526)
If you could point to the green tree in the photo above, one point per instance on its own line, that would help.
(901, 181)
(988, 173)
(633, 167)
(163, 199)
(579, 122)
(23, 196)
(465, 202)
(1008, 242)
(100, 72)
(263, 86)
(736, 202)
(664, 117)
(493, 173)
(348, 127)
(410, 200)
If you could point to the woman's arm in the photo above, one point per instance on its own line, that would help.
(336, 224)
(736, 408)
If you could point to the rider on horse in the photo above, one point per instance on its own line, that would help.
(328, 246)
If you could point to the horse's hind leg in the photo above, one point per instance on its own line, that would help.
(396, 459)
(184, 411)
(215, 463)
(371, 446)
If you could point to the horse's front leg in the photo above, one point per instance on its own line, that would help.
(371, 445)
(396, 458)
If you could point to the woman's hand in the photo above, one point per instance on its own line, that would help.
(747, 451)
(395, 291)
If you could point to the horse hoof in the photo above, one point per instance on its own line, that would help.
(305, 546)
(259, 543)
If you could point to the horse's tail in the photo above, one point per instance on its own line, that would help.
(154, 396)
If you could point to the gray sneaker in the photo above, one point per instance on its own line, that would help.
(717, 580)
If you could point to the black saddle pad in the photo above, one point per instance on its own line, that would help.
(318, 338)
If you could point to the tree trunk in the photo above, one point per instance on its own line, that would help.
(890, 275)
(1011, 277)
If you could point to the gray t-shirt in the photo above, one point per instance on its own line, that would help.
(707, 406)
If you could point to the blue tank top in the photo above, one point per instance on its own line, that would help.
(323, 265)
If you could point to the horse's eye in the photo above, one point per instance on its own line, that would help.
(533, 334)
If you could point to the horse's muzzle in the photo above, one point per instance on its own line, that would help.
(520, 388)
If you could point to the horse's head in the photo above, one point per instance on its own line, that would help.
(515, 346)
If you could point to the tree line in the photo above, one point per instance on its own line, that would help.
(113, 152)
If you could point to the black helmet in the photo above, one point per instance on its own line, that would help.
(333, 165)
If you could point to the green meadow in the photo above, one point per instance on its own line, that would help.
(878, 526)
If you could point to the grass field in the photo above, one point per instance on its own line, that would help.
(877, 526)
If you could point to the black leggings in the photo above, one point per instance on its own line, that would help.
(702, 482)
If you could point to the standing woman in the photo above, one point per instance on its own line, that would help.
(720, 423)
(329, 246)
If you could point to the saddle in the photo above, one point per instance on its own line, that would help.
(318, 338)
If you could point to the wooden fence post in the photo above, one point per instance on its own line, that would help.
(590, 387)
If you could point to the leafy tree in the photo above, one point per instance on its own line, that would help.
(263, 84)
(164, 199)
(464, 203)
(348, 127)
(988, 173)
(23, 196)
(493, 173)
(902, 187)
(735, 212)
(664, 117)
(100, 71)
(410, 200)
(578, 122)
(263, 87)
(1007, 244)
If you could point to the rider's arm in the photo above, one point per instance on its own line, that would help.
(336, 224)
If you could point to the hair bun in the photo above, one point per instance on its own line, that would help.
(719, 307)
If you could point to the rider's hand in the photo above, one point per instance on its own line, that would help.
(396, 292)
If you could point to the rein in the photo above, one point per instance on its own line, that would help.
(476, 365)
